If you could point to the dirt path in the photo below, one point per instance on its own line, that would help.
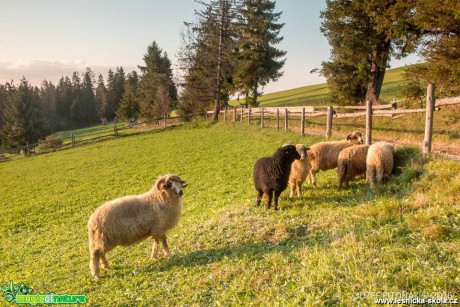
(451, 151)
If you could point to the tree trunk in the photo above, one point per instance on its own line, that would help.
(378, 68)
(219, 63)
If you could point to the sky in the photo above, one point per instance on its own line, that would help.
(48, 39)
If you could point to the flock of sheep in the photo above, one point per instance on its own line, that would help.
(296, 164)
(131, 219)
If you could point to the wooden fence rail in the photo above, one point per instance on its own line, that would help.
(267, 113)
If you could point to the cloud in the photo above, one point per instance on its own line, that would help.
(37, 70)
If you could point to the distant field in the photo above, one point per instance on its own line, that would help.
(328, 248)
(319, 94)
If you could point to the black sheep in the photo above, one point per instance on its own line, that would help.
(271, 174)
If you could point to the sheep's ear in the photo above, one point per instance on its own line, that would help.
(307, 148)
(349, 137)
(160, 183)
(183, 184)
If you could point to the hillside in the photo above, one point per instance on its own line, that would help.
(329, 247)
(319, 94)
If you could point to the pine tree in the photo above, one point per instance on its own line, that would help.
(156, 73)
(23, 121)
(363, 35)
(439, 26)
(259, 60)
(129, 106)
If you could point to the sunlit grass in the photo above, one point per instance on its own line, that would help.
(321, 249)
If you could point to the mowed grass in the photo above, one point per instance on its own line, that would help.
(320, 94)
(327, 248)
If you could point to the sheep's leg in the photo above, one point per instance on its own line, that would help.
(95, 256)
(312, 177)
(292, 186)
(299, 188)
(277, 195)
(104, 262)
(165, 247)
(259, 197)
(269, 199)
(155, 249)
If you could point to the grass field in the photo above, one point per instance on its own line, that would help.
(330, 247)
(319, 94)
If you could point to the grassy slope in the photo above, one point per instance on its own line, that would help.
(319, 94)
(322, 249)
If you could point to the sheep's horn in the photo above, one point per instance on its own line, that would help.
(183, 184)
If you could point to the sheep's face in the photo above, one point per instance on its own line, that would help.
(290, 151)
(171, 183)
(302, 150)
(355, 137)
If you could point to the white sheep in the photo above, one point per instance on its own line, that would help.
(131, 219)
(299, 170)
(351, 163)
(379, 162)
(323, 156)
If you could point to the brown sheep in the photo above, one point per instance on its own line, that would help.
(131, 219)
(323, 156)
(379, 162)
(299, 170)
(351, 163)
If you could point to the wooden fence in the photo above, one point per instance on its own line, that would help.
(280, 115)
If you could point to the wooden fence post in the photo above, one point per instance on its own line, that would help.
(262, 118)
(369, 122)
(225, 114)
(430, 101)
(164, 121)
(249, 115)
(206, 115)
(115, 130)
(277, 119)
(234, 114)
(330, 113)
(286, 115)
(73, 140)
(302, 123)
(242, 114)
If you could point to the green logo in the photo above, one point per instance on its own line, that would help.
(21, 294)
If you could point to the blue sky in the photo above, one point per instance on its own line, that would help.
(48, 39)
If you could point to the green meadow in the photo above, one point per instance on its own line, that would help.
(330, 247)
(319, 94)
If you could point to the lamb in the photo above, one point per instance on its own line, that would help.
(323, 156)
(271, 174)
(379, 162)
(351, 163)
(299, 170)
(131, 219)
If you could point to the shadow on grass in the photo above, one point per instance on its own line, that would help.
(249, 251)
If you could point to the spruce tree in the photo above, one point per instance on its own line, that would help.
(156, 73)
(23, 121)
(259, 60)
(115, 90)
(129, 106)
(64, 99)
(101, 98)
(48, 104)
